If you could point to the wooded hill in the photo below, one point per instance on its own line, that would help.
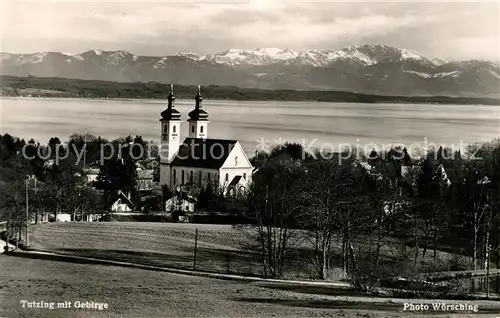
(64, 87)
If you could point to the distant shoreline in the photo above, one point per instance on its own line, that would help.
(39, 87)
(164, 100)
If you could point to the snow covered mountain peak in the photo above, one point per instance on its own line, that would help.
(365, 55)
(260, 56)
(376, 69)
(37, 57)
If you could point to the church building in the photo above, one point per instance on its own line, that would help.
(199, 160)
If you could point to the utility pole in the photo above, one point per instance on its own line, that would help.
(27, 213)
(195, 248)
(488, 249)
(84, 148)
(36, 207)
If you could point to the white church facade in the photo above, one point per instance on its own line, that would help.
(199, 160)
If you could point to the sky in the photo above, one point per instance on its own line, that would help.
(450, 30)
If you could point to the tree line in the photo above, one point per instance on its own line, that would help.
(53, 177)
(380, 215)
(376, 216)
(65, 87)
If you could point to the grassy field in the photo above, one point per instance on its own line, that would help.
(131, 292)
(221, 248)
(161, 244)
(144, 293)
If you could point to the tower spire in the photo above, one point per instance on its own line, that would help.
(171, 96)
(198, 98)
(170, 113)
(198, 118)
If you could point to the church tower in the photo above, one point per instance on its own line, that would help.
(170, 130)
(198, 119)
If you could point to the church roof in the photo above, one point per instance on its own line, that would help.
(170, 114)
(198, 114)
(203, 153)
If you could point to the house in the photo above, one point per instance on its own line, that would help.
(199, 160)
(123, 203)
(145, 180)
(184, 203)
(411, 173)
(91, 174)
(63, 217)
(361, 167)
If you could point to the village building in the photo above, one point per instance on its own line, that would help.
(145, 182)
(181, 203)
(199, 160)
(91, 174)
(123, 203)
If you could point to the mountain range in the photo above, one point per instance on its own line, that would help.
(370, 69)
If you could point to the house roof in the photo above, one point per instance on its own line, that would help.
(203, 153)
(91, 171)
(148, 160)
(125, 199)
(235, 181)
(150, 163)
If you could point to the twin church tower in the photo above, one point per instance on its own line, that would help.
(171, 124)
(199, 159)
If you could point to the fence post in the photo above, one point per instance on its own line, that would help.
(195, 248)
(488, 249)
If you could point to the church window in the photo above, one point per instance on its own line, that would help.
(201, 129)
(244, 176)
(182, 177)
(236, 160)
(192, 128)
(227, 177)
(175, 177)
(165, 129)
(173, 129)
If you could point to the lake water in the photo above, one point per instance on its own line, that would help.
(250, 122)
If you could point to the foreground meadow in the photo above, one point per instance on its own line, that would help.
(133, 292)
(220, 248)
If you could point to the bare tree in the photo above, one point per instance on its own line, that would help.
(273, 203)
(12, 196)
(327, 191)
